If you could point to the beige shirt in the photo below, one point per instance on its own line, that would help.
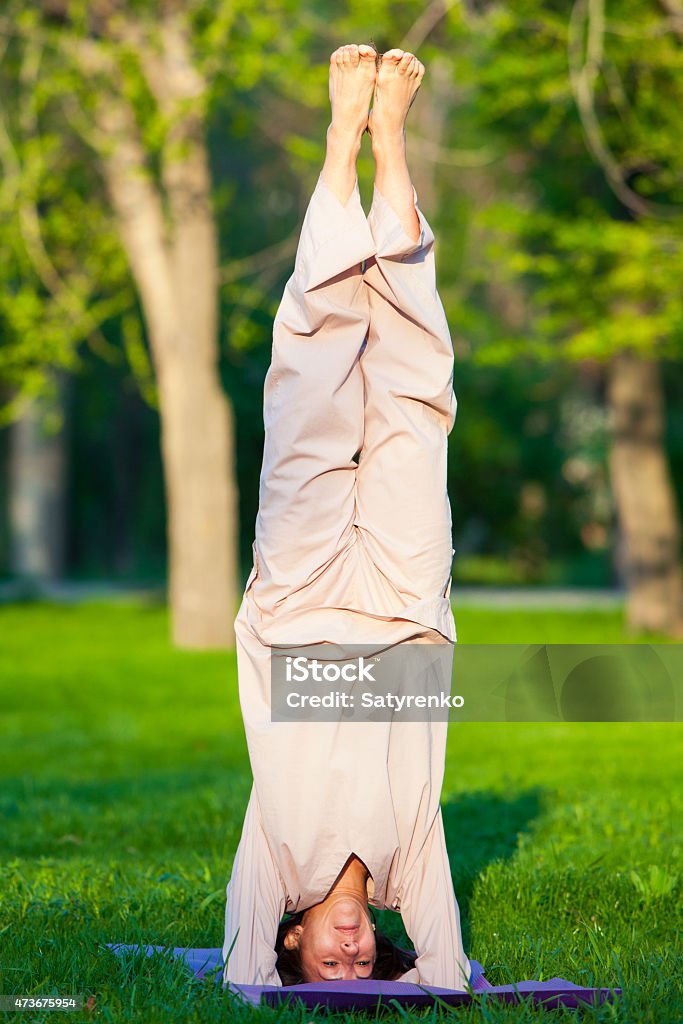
(325, 790)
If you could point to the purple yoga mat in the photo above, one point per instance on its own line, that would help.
(359, 995)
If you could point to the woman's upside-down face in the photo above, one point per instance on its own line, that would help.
(336, 940)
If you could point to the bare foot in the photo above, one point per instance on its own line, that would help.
(352, 80)
(398, 80)
(399, 77)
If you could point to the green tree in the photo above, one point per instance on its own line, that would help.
(582, 228)
(108, 195)
(111, 212)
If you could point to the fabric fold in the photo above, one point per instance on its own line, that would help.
(335, 237)
(391, 239)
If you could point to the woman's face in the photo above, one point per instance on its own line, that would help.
(336, 940)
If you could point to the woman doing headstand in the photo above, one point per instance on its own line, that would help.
(353, 544)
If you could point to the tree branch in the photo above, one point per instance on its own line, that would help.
(135, 198)
(271, 256)
(426, 23)
(19, 194)
(583, 73)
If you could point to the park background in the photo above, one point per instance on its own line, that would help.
(156, 163)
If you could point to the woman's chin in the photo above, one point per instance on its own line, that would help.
(349, 915)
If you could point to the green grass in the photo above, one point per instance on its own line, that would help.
(124, 778)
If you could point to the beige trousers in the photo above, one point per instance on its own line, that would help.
(362, 365)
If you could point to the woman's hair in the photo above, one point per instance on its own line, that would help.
(390, 963)
(378, 55)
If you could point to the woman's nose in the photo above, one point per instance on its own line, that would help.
(350, 946)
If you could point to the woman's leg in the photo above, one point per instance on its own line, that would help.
(396, 86)
(403, 510)
(313, 395)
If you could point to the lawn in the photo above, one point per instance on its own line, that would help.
(124, 777)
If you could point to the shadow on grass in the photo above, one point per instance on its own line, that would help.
(481, 828)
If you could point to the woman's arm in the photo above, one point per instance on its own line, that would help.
(431, 917)
(255, 903)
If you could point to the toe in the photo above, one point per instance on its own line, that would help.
(354, 55)
(393, 55)
(366, 51)
(405, 62)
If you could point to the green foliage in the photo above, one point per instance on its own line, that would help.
(586, 109)
(541, 259)
(62, 271)
(596, 285)
(596, 273)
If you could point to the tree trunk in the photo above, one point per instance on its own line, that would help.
(179, 294)
(168, 231)
(197, 434)
(644, 496)
(37, 488)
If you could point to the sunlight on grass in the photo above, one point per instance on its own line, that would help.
(125, 777)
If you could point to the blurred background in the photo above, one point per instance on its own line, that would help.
(156, 163)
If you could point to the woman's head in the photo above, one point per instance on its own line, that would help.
(333, 941)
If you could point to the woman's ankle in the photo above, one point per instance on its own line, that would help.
(339, 170)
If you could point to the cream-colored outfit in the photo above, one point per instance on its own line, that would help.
(357, 553)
